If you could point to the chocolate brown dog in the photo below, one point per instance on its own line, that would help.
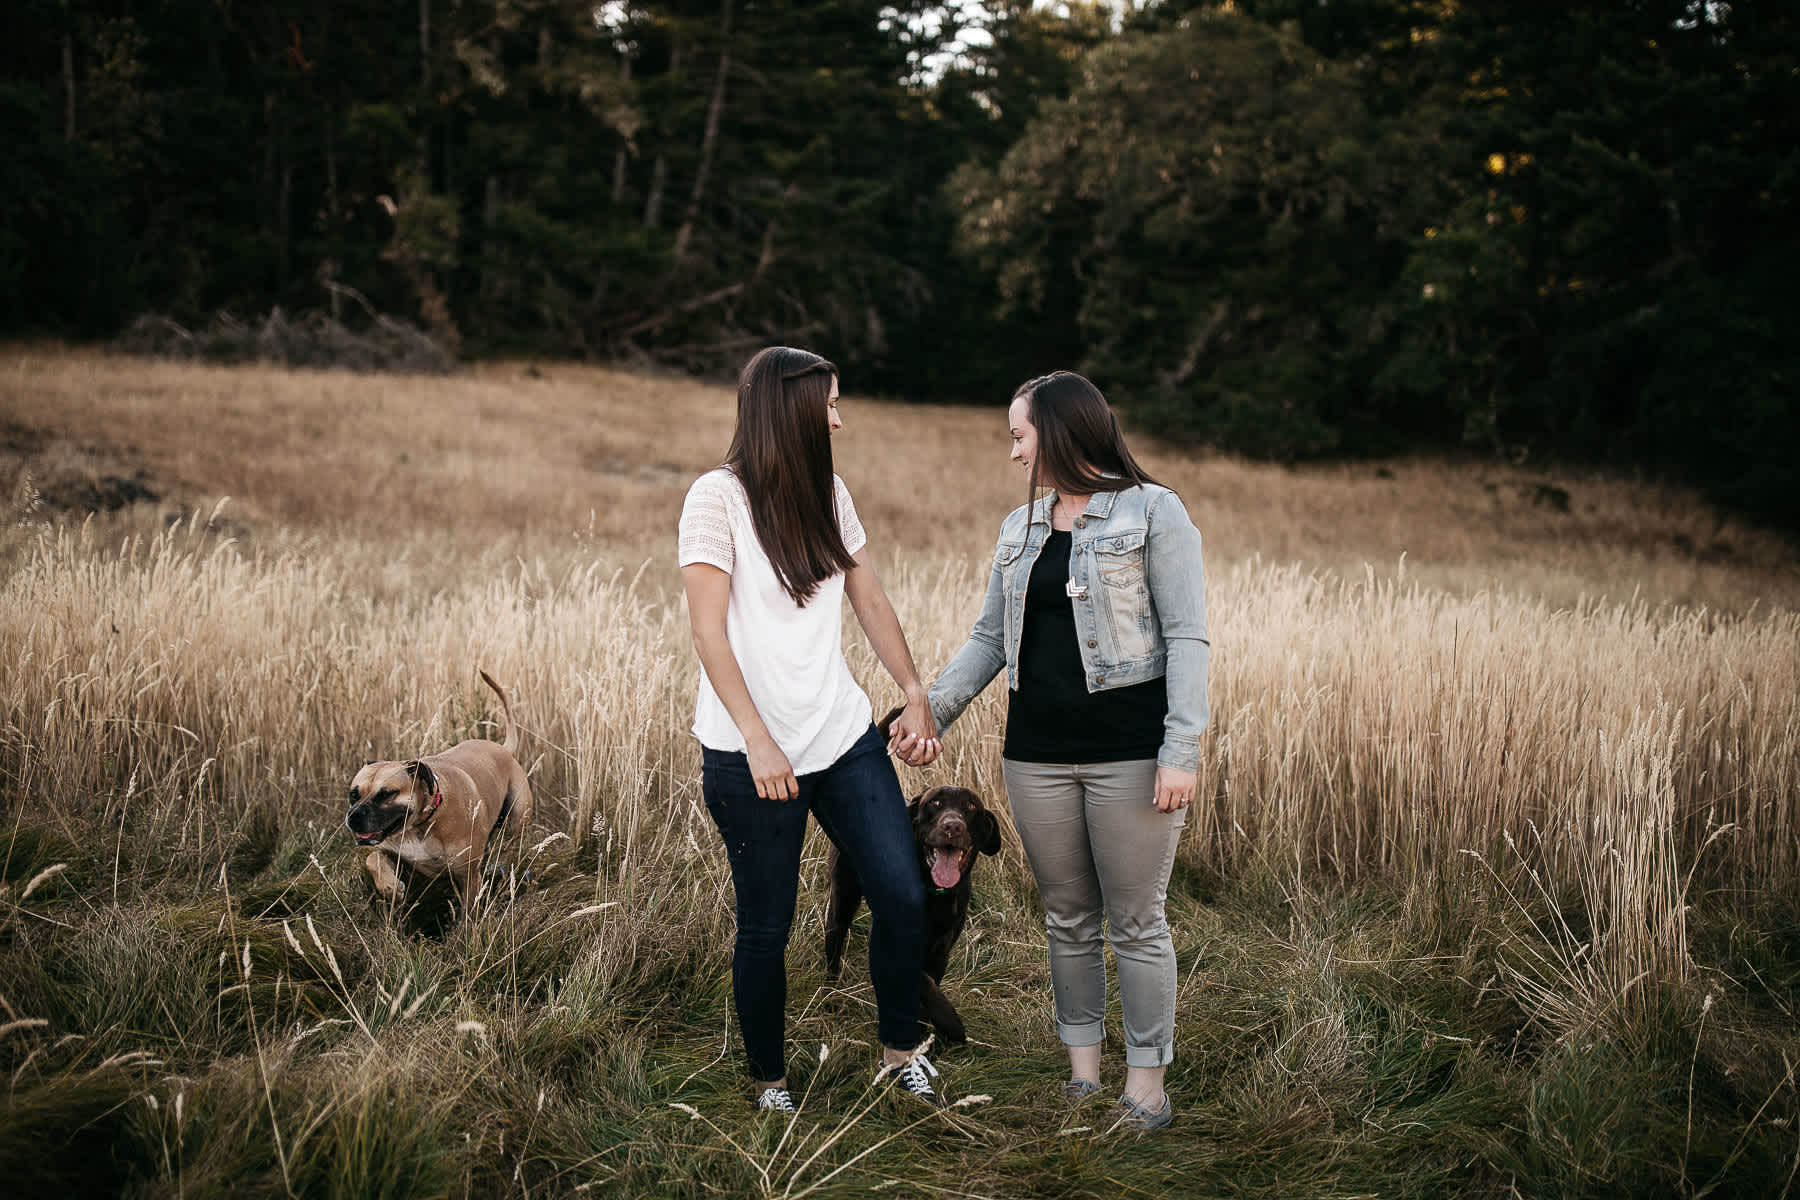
(949, 827)
(438, 812)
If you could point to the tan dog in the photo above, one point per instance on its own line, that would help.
(438, 812)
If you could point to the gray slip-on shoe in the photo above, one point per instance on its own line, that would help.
(1135, 1116)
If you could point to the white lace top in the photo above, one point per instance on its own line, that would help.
(791, 656)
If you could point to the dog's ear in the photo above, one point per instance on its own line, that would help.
(912, 806)
(424, 774)
(986, 832)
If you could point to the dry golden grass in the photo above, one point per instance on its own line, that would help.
(574, 463)
(1410, 661)
(1548, 724)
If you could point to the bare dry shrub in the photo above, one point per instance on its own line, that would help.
(307, 339)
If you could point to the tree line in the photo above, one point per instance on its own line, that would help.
(1284, 227)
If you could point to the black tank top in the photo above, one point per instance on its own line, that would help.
(1052, 717)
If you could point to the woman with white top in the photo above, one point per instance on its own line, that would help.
(769, 545)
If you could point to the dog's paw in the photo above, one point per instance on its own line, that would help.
(935, 1008)
(389, 897)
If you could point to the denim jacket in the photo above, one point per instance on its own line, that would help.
(1139, 594)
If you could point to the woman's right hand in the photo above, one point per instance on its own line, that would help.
(770, 768)
(914, 733)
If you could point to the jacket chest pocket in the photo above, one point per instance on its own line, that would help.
(1124, 599)
(1008, 557)
(1119, 560)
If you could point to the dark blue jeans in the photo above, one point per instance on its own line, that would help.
(858, 803)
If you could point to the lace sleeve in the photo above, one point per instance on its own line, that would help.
(848, 523)
(704, 535)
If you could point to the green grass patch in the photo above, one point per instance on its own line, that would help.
(266, 1031)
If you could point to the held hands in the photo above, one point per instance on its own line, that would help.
(1174, 789)
(770, 768)
(912, 734)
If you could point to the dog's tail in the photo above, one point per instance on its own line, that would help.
(512, 727)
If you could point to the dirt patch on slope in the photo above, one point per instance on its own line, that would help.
(45, 473)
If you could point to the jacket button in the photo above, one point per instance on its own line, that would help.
(1099, 679)
(1092, 643)
(1081, 522)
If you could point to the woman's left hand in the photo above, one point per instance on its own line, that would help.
(1174, 788)
(913, 735)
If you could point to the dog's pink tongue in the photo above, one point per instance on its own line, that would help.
(946, 869)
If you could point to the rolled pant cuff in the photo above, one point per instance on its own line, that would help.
(1149, 1056)
(1090, 1034)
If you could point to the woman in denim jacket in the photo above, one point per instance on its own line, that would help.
(1096, 607)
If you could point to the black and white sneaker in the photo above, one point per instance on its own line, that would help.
(776, 1100)
(915, 1078)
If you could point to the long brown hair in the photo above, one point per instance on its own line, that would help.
(781, 453)
(1080, 447)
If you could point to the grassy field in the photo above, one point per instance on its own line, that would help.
(1490, 891)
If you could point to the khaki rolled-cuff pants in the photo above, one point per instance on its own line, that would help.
(1102, 853)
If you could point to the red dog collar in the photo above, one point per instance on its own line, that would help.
(436, 799)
